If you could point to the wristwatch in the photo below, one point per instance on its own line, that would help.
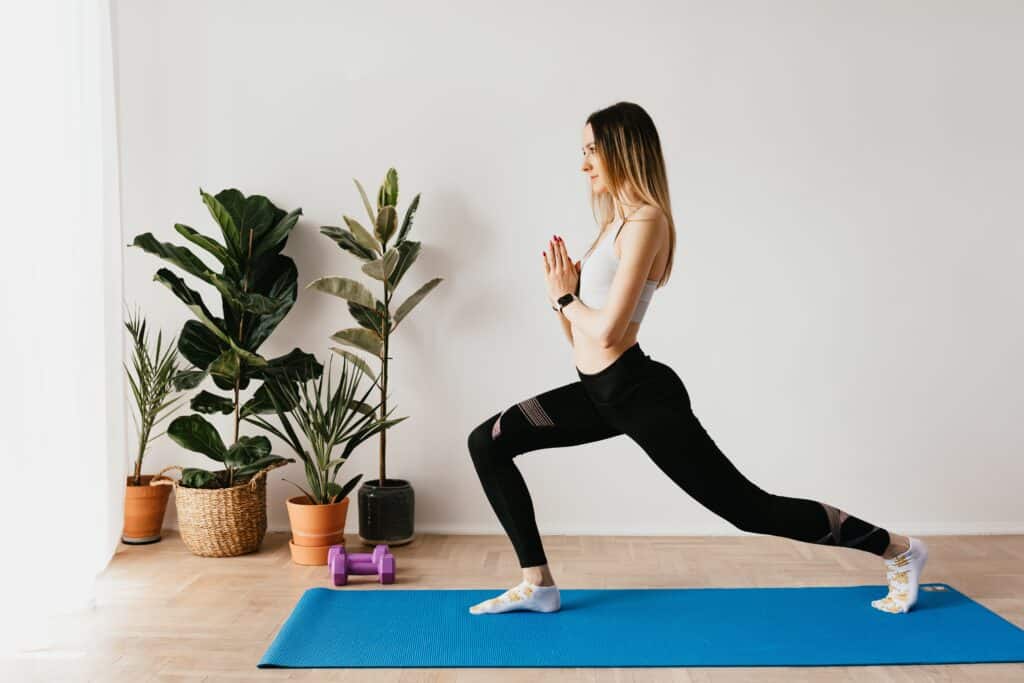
(564, 301)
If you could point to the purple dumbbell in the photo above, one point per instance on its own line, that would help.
(341, 564)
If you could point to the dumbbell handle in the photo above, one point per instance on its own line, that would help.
(360, 557)
(362, 567)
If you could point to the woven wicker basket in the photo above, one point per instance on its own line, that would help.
(221, 522)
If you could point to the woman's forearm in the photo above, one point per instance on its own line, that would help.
(567, 327)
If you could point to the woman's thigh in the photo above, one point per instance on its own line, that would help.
(558, 417)
(658, 416)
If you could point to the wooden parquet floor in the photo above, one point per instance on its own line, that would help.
(164, 614)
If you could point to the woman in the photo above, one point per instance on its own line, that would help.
(622, 390)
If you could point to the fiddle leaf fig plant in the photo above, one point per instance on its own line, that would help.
(257, 285)
(387, 265)
(327, 419)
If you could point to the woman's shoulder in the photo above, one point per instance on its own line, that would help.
(648, 212)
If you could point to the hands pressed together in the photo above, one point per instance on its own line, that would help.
(560, 272)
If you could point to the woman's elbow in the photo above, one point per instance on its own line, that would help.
(610, 336)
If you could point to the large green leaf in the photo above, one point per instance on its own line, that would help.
(172, 253)
(212, 246)
(408, 251)
(226, 222)
(407, 223)
(345, 288)
(295, 365)
(196, 478)
(190, 263)
(388, 193)
(196, 434)
(366, 203)
(387, 223)
(414, 299)
(227, 366)
(191, 298)
(188, 379)
(346, 241)
(278, 234)
(371, 319)
(381, 268)
(362, 235)
(262, 403)
(277, 276)
(361, 339)
(247, 450)
(199, 345)
(209, 403)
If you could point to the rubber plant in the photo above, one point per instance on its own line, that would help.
(385, 264)
(327, 419)
(257, 285)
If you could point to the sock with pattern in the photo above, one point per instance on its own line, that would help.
(525, 596)
(903, 573)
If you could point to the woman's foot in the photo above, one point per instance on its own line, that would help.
(526, 596)
(903, 573)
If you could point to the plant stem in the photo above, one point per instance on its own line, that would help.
(386, 332)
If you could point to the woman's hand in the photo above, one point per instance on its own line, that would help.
(561, 273)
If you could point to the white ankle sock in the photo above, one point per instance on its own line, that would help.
(525, 596)
(903, 573)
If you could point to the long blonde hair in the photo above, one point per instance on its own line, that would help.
(630, 150)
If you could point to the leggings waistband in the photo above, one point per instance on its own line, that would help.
(632, 358)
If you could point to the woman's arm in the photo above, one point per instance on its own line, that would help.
(566, 327)
(639, 242)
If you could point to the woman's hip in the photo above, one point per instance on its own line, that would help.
(633, 376)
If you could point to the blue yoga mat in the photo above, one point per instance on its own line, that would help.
(804, 626)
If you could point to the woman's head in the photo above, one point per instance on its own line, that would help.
(624, 165)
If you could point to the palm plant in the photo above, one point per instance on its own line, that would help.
(327, 420)
(156, 378)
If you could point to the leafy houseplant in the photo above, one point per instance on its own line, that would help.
(326, 420)
(257, 285)
(154, 378)
(386, 506)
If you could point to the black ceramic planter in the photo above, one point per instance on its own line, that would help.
(386, 512)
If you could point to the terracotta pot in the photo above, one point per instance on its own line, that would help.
(315, 528)
(144, 508)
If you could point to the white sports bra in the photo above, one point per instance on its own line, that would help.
(596, 273)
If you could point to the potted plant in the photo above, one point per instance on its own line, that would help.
(386, 506)
(154, 378)
(223, 512)
(327, 420)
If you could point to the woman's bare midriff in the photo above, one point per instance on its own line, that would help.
(591, 357)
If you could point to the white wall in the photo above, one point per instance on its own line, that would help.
(846, 304)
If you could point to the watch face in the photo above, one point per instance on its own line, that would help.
(564, 299)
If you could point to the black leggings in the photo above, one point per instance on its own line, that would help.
(646, 400)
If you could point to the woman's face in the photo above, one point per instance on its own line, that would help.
(592, 162)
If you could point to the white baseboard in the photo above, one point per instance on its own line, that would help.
(909, 528)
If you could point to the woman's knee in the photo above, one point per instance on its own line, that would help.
(482, 438)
